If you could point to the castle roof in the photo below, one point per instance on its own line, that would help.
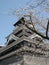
(19, 21)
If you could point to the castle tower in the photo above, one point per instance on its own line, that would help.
(24, 47)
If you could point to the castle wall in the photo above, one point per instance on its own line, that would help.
(25, 60)
(32, 60)
(11, 61)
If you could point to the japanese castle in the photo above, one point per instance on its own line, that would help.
(24, 47)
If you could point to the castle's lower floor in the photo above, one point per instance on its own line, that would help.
(25, 59)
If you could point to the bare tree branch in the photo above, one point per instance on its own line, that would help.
(47, 29)
(37, 32)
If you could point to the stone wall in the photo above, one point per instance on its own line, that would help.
(14, 60)
(32, 60)
(25, 60)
